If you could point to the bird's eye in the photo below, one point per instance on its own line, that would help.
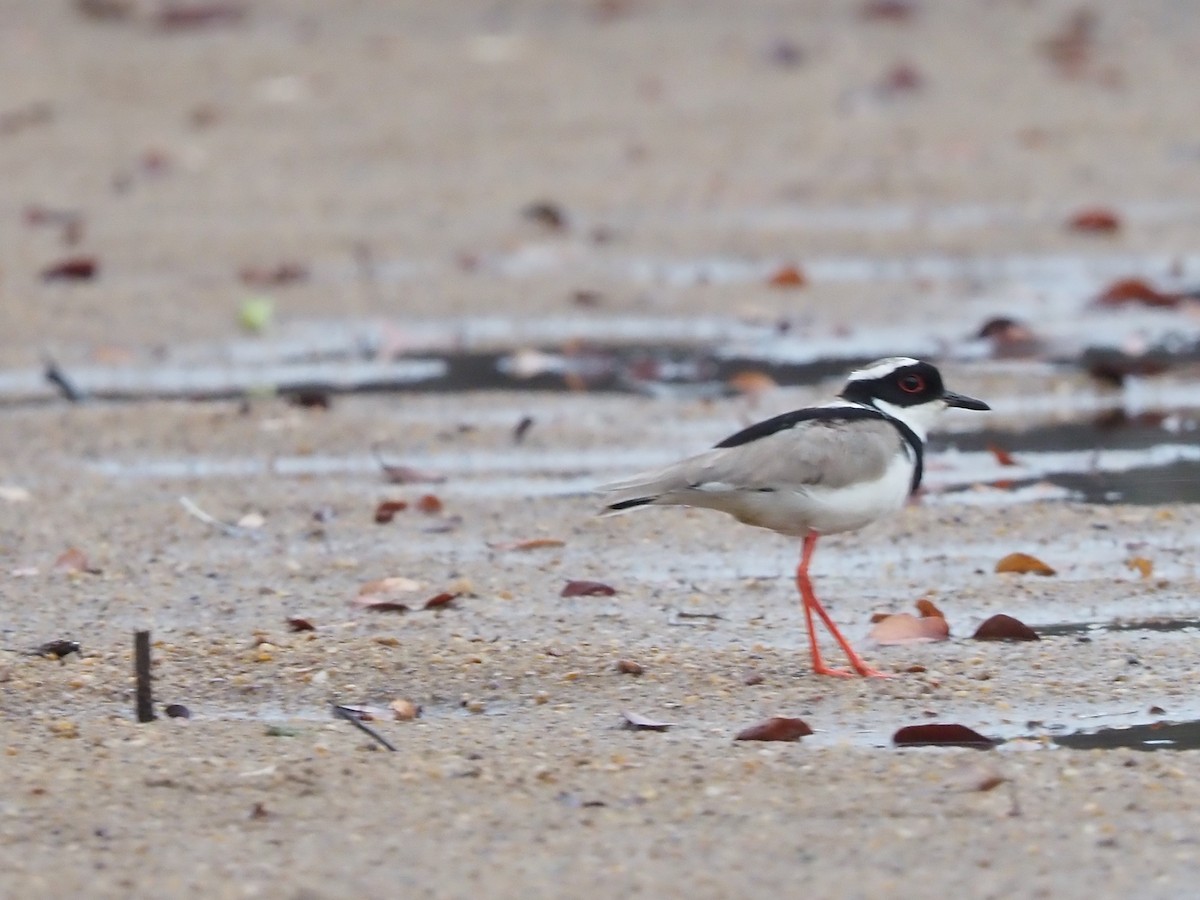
(912, 384)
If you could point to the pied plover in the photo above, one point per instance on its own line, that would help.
(821, 470)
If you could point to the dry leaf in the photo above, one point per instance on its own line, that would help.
(442, 599)
(927, 609)
(776, 728)
(74, 561)
(1003, 457)
(1004, 628)
(1095, 221)
(641, 723)
(1136, 290)
(531, 544)
(298, 624)
(75, 268)
(629, 667)
(386, 511)
(404, 710)
(587, 589)
(1144, 567)
(934, 735)
(385, 594)
(1023, 564)
(430, 504)
(788, 277)
(752, 382)
(903, 628)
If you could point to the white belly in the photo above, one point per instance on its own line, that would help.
(823, 510)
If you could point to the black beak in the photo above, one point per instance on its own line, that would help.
(961, 401)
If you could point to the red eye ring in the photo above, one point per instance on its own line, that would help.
(912, 384)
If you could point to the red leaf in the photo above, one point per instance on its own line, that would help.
(430, 505)
(1136, 290)
(442, 599)
(74, 268)
(629, 667)
(1096, 220)
(641, 723)
(1003, 457)
(1004, 628)
(776, 728)
(587, 589)
(386, 511)
(935, 735)
(297, 624)
(788, 276)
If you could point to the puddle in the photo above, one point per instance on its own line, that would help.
(1151, 736)
(1160, 625)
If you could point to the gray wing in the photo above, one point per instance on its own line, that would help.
(811, 453)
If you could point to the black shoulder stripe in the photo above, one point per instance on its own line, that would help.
(791, 419)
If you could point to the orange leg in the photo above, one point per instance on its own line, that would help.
(811, 604)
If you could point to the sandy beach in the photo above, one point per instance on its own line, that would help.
(917, 167)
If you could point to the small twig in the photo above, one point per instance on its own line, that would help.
(58, 378)
(349, 715)
(141, 670)
(232, 530)
(678, 617)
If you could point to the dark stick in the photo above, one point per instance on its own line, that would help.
(141, 669)
(342, 713)
(58, 378)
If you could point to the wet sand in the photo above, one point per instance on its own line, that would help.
(423, 132)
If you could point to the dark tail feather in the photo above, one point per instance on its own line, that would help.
(629, 504)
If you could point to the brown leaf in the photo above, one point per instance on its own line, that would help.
(385, 594)
(181, 15)
(934, 735)
(547, 214)
(530, 544)
(587, 589)
(386, 511)
(1003, 457)
(1023, 564)
(1096, 220)
(629, 667)
(641, 723)
(73, 561)
(788, 276)
(73, 268)
(752, 382)
(776, 728)
(273, 276)
(1144, 567)
(1136, 291)
(903, 628)
(442, 599)
(1004, 628)
(298, 624)
(928, 609)
(430, 504)
(988, 782)
(404, 710)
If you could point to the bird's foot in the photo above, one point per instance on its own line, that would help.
(819, 668)
(867, 672)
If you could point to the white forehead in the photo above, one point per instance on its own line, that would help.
(882, 368)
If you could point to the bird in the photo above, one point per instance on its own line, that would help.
(820, 470)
